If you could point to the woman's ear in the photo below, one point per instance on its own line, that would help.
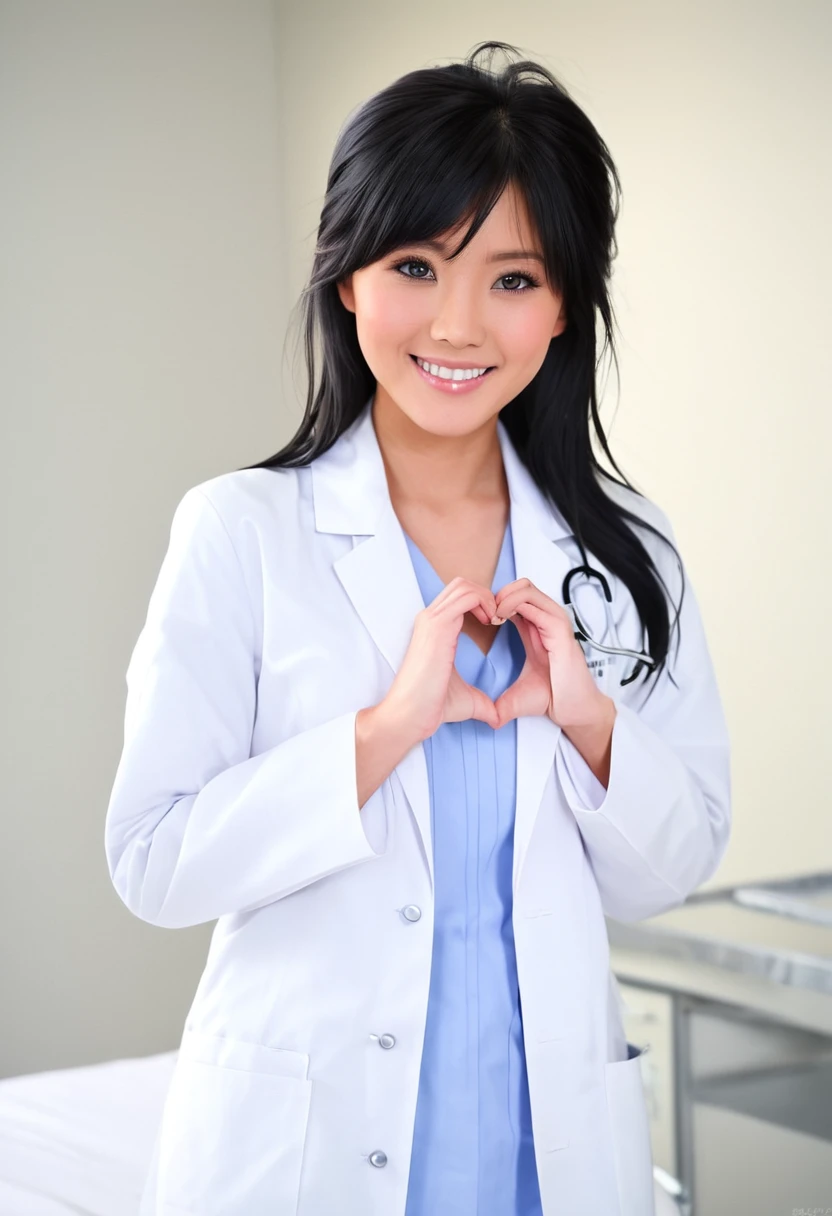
(345, 291)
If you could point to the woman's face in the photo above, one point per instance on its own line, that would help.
(490, 307)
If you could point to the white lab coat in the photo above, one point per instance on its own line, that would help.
(284, 604)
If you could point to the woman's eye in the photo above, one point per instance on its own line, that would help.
(400, 266)
(512, 291)
(527, 277)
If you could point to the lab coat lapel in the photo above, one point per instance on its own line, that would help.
(351, 497)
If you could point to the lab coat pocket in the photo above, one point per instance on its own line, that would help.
(630, 1130)
(233, 1129)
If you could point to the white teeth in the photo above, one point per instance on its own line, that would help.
(452, 373)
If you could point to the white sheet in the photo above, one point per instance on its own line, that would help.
(79, 1140)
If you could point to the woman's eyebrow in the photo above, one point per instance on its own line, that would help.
(504, 256)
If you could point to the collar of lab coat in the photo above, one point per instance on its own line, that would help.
(351, 497)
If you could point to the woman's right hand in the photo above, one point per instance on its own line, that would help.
(427, 689)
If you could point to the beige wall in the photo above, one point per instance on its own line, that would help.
(164, 166)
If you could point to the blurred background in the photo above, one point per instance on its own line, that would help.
(162, 167)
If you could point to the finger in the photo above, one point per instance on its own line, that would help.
(467, 597)
(515, 586)
(515, 594)
(546, 625)
(537, 598)
(483, 708)
(459, 582)
(530, 636)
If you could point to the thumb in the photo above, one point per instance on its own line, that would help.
(510, 704)
(484, 709)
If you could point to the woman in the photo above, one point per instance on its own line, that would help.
(324, 680)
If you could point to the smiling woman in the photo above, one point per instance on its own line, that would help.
(469, 222)
(362, 732)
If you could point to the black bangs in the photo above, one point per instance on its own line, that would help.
(448, 169)
(429, 155)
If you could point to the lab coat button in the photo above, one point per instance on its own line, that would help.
(411, 912)
(386, 1041)
(378, 1158)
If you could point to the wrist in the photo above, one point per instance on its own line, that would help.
(599, 720)
(390, 720)
(594, 740)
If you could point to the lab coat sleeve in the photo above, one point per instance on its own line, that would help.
(582, 788)
(661, 827)
(196, 826)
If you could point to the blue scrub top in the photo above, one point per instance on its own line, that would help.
(473, 1152)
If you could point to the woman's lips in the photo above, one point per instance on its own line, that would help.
(451, 386)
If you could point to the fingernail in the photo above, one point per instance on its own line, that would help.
(497, 620)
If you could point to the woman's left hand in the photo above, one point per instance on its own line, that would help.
(555, 679)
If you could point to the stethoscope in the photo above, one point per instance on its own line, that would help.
(583, 634)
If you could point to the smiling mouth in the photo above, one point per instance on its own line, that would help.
(487, 370)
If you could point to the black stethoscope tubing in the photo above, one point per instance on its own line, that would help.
(583, 634)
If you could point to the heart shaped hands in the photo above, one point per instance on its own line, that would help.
(554, 681)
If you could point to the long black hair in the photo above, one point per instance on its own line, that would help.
(443, 143)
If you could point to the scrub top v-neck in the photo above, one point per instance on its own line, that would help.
(473, 1151)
